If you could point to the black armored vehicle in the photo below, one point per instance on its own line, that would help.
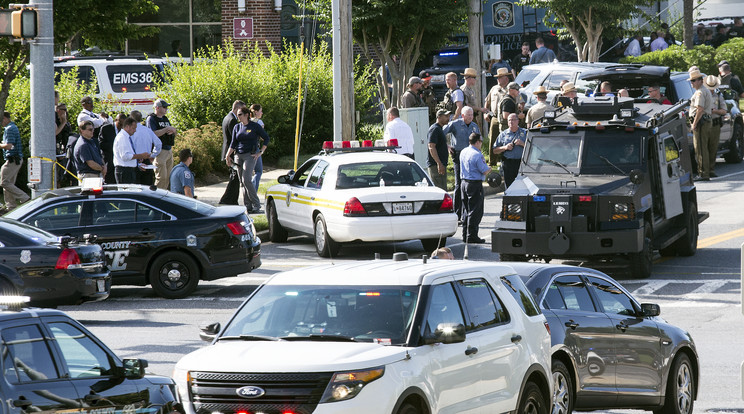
(606, 178)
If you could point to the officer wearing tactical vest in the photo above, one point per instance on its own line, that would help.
(454, 99)
(701, 106)
(508, 106)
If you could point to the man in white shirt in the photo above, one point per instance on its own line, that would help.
(145, 141)
(87, 114)
(634, 47)
(397, 129)
(125, 159)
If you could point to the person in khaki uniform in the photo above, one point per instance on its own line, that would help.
(468, 91)
(701, 106)
(492, 102)
(719, 109)
(538, 110)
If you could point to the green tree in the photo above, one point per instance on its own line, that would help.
(97, 23)
(585, 20)
(398, 32)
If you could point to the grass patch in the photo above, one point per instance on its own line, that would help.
(263, 187)
(286, 162)
(260, 222)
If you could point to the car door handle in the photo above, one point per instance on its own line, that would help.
(22, 403)
(516, 338)
(294, 194)
(621, 326)
(471, 350)
(312, 198)
(571, 324)
(92, 398)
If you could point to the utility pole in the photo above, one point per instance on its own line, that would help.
(475, 50)
(42, 96)
(343, 76)
(687, 11)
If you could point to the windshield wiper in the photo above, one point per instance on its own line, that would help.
(320, 337)
(603, 158)
(556, 163)
(252, 338)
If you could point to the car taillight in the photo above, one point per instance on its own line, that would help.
(447, 205)
(69, 259)
(354, 207)
(547, 327)
(238, 227)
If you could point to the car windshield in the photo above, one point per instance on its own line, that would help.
(373, 174)
(381, 314)
(189, 203)
(554, 151)
(602, 152)
(457, 57)
(526, 76)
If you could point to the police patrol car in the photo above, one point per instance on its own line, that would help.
(351, 193)
(607, 179)
(124, 81)
(151, 236)
(53, 364)
(400, 337)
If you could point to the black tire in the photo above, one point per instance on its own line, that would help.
(563, 389)
(503, 257)
(174, 275)
(736, 146)
(277, 232)
(687, 244)
(680, 389)
(409, 408)
(641, 262)
(432, 244)
(532, 401)
(324, 244)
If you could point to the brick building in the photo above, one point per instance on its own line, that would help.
(189, 25)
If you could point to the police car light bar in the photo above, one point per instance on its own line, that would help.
(92, 185)
(354, 146)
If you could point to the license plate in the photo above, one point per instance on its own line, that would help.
(402, 208)
(101, 284)
(437, 78)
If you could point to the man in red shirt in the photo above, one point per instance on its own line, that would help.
(654, 92)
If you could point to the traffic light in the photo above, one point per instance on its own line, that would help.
(20, 23)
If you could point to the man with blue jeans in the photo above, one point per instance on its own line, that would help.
(474, 170)
(13, 153)
(461, 129)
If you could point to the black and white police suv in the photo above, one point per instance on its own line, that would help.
(50, 270)
(151, 236)
(51, 363)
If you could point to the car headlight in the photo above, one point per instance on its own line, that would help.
(623, 211)
(346, 385)
(182, 378)
(513, 212)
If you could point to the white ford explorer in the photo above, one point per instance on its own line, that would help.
(377, 337)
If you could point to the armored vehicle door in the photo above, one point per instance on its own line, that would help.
(669, 174)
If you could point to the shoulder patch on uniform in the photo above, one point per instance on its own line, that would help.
(187, 174)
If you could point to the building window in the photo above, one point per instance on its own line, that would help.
(183, 30)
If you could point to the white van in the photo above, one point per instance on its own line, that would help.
(126, 81)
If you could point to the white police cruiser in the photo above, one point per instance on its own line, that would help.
(364, 194)
(401, 337)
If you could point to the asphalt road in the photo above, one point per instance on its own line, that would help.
(700, 293)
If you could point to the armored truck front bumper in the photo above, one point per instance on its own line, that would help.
(512, 238)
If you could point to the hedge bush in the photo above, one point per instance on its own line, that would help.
(204, 91)
(205, 143)
(705, 57)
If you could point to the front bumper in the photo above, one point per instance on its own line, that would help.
(392, 228)
(569, 245)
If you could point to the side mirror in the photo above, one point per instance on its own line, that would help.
(447, 333)
(636, 177)
(134, 368)
(283, 179)
(650, 309)
(209, 331)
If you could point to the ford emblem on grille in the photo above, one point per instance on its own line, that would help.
(250, 392)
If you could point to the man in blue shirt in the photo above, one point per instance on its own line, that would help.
(542, 54)
(474, 170)
(510, 143)
(181, 178)
(461, 129)
(88, 159)
(13, 153)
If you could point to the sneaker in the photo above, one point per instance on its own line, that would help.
(476, 240)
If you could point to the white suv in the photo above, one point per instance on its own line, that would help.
(377, 337)
(127, 82)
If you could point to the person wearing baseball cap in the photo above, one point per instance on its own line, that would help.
(701, 106)
(428, 96)
(438, 156)
(730, 80)
(718, 110)
(538, 110)
(159, 123)
(508, 106)
(468, 89)
(412, 97)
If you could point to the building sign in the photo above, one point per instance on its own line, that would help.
(243, 28)
(503, 14)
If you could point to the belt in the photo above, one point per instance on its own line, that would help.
(473, 181)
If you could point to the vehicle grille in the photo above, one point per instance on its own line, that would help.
(295, 392)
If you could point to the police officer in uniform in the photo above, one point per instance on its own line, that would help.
(473, 169)
(718, 110)
(701, 106)
(181, 178)
(510, 143)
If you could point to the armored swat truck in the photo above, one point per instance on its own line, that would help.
(607, 179)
